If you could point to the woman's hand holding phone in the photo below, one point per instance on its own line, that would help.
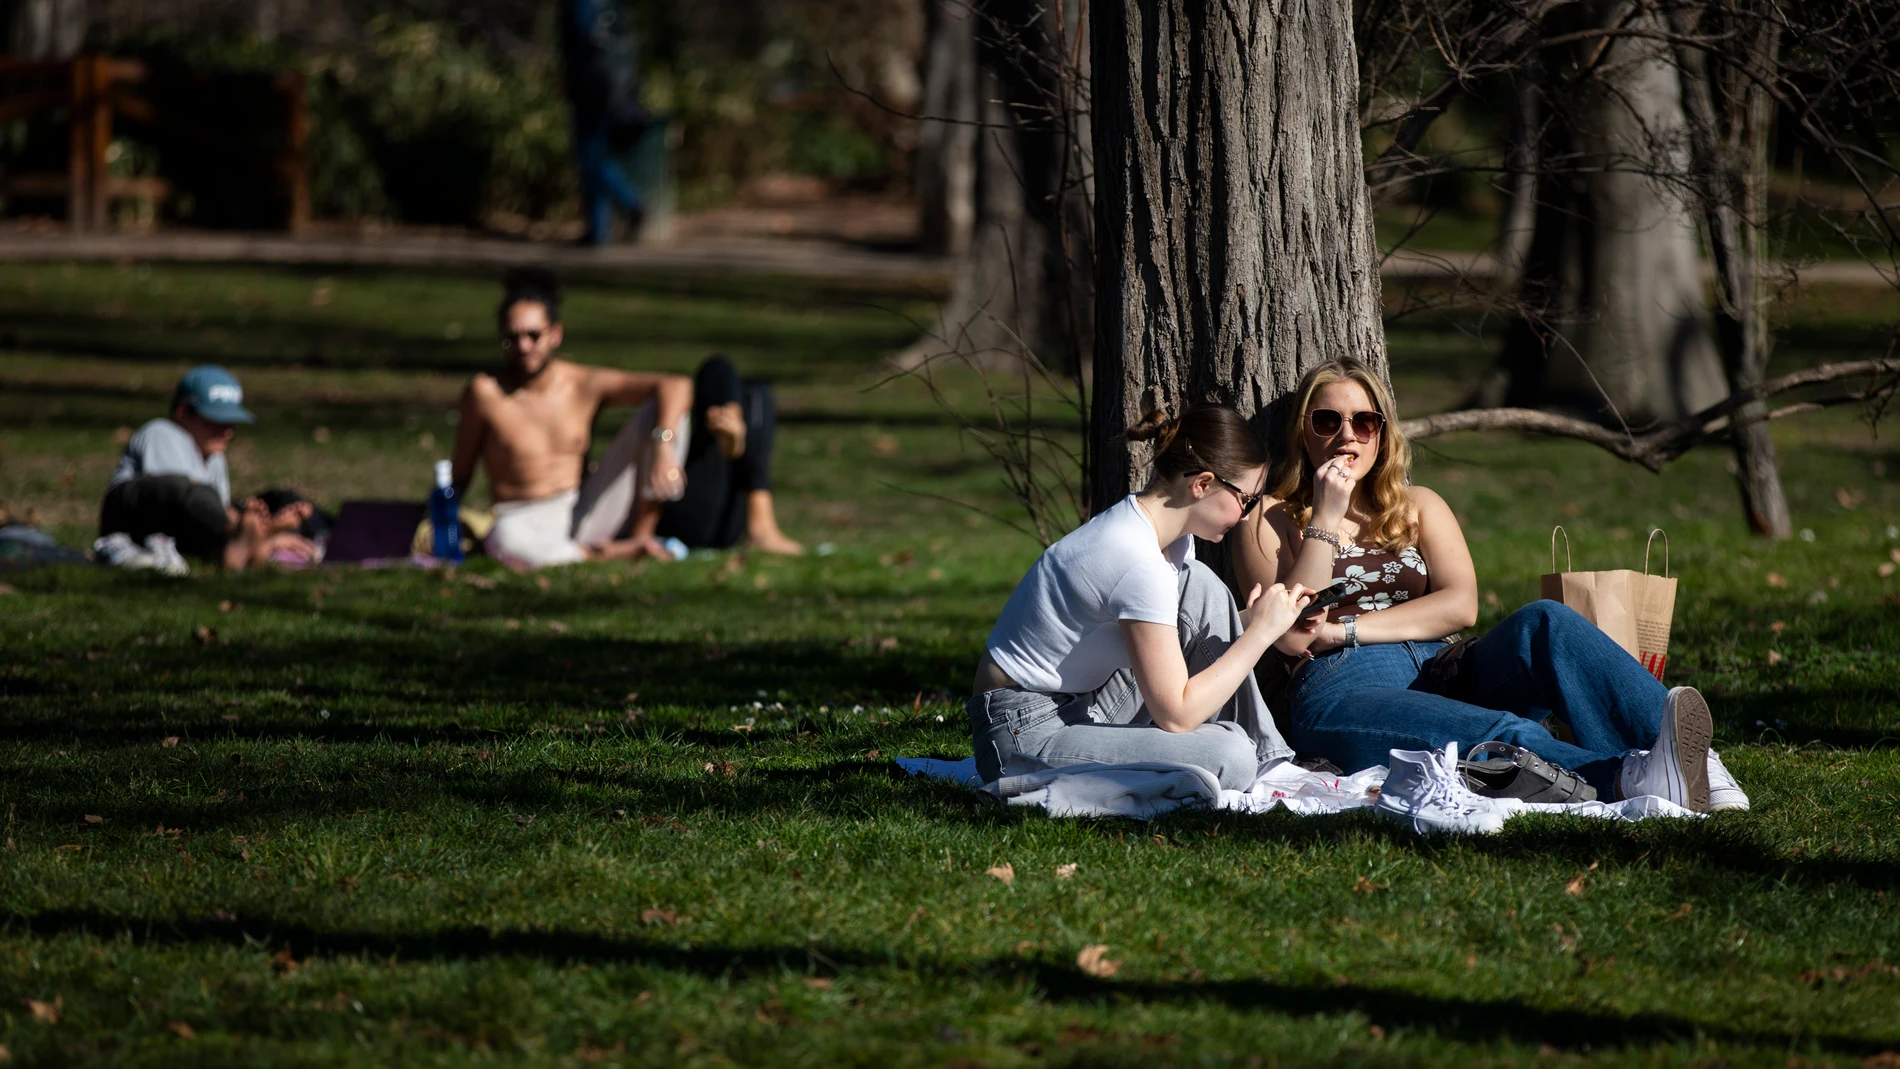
(1272, 611)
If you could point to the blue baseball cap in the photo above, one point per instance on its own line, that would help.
(213, 393)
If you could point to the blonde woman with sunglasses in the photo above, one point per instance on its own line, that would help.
(1360, 678)
(1119, 646)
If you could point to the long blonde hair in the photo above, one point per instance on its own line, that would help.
(1392, 525)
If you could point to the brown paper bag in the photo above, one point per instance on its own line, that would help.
(1634, 608)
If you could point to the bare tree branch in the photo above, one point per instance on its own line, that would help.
(1657, 446)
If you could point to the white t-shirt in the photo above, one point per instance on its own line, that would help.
(1061, 629)
(162, 447)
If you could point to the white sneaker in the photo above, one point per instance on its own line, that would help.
(1424, 788)
(165, 555)
(1676, 768)
(120, 551)
(1724, 792)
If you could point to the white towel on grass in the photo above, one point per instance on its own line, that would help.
(1148, 789)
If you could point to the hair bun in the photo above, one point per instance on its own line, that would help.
(1153, 424)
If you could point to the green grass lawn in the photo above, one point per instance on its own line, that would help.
(647, 813)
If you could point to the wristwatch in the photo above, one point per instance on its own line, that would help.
(1352, 630)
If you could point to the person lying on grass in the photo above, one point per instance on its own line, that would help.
(172, 480)
(1119, 646)
(530, 423)
(1360, 679)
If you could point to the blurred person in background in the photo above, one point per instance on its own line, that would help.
(600, 58)
(172, 481)
(693, 463)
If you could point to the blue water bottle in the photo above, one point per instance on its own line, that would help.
(445, 514)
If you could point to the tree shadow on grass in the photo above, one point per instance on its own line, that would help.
(1470, 1020)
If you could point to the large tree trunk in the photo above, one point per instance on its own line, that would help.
(1615, 323)
(946, 139)
(1729, 114)
(1024, 288)
(1236, 244)
(42, 29)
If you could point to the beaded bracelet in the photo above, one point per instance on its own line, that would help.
(1324, 536)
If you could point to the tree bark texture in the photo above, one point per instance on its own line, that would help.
(1728, 115)
(1614, 322)
(1024, 287)
(1235, 237)
(946, 139)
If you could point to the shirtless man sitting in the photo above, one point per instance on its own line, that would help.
(530, 424)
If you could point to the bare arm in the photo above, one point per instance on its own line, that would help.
(1268, 550)
(1180, 702)
(471, 431)
(674, 392)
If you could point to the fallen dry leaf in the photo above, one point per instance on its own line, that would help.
(557, 627)
(1775, 580)
(1575, 886)
(285, 961)
(1774, 657)
(46, 1012)
(181, 1030)
(542, 582)
(204, 635)
(660, 916)
(224, 606)
(5, 1054)
(1682, 912)
(1363, 886)
(69, 848)
(1886, 1059)
(168, 741)
(1895, 555)
(873, 755)
(94, 818)
(818, 983)
(723, 768)
(1005, 872)
(1886, 569)
(1778, 626)
(1092, 961)
(1063, 872)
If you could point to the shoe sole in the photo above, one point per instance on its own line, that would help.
(1694, 730)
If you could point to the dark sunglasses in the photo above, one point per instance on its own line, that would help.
(1247, 500)
(516, 336)
(1326, 422)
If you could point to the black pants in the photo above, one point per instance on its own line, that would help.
(712, 513)
(191, 513)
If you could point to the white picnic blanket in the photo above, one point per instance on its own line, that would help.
(1149, 789)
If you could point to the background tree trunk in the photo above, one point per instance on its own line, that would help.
(946, 139)
(1729, 116)
(1024, 287)
(42, 29)
(1236, 244)
(1614, 319)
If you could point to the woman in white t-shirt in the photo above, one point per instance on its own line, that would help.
(1119, 646)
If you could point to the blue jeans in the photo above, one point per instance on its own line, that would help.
(604, 183)
(1353, 705)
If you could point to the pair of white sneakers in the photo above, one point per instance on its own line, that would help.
(159, 553)
(1425, 788)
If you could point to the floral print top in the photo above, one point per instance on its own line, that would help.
(1377, 578)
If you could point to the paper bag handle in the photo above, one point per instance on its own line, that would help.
(1653, 532)
(1554, 532)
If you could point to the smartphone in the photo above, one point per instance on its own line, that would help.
(1329, 597)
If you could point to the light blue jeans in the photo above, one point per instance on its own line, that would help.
(1353, 705)
(1110, 725)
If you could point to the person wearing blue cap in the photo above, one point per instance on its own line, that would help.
(172, 480)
